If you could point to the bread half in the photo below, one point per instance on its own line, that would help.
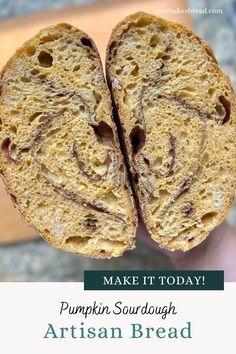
(176, 109)
(60, 156)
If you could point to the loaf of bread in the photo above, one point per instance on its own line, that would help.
(177, 111)
(60, 156)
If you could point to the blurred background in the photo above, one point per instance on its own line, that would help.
(23, 255)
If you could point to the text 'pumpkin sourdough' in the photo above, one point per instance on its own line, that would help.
(60, 156)
(177, 113)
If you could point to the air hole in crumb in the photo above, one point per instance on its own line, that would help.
(113, 45)
(86, 42)
(76, 67)
(166, 57)
(52, 132)
(158, 161)
(5, 146)
(187, 62)
(137, 138)
(98, 97)
(78, 240)
(42, 76)
(45, 59)
(49, 38)
(135, 71)
(13, 197)
(110, 198)
(159, 55)
(32, 117)
(187, 209)
(35, 72)
(208, 218)
(220, 109)
(154, 41)
(121, 168)
(142, 22)
(131, 86)
(146, 161)
(104, 133)
(211, 91)
(82, 108)
(41, 205)
(119, 71)
(25, 79)
(13, 129)
(163, 193)
(226, 104)
(165, 73)
(92, 67)
(90, 223)
(136, 178)
(150, 104)
(25, 149)
(30, 51)
(113, 243)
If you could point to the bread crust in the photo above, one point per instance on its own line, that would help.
(118, 56)
(203, 191)
(117, 213)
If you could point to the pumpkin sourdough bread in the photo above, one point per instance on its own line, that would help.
(177, 113)
(60, 156)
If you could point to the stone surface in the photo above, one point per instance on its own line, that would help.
(39, 261)
(12, 8)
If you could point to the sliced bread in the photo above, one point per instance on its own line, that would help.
(60, 157)
(177, 113)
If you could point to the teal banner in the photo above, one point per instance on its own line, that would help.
(153, 280)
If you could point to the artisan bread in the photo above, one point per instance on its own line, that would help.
(176, 110)
(60, 157)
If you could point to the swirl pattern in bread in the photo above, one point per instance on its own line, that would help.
(177, 112)
(60, 155)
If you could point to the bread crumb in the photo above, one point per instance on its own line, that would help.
(58, 230)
